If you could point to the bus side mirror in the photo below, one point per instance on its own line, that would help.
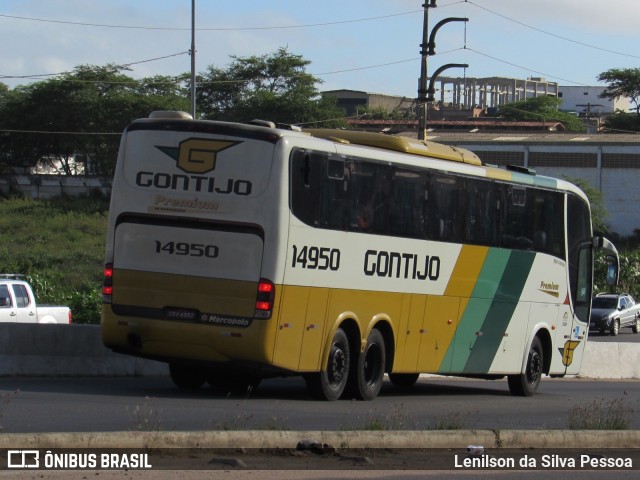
(612, 272)
(613, 259)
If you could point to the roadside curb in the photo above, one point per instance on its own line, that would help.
(410, 439)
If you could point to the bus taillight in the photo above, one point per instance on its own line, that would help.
(264, 299)
(107, 283)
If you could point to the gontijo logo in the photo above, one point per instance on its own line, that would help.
(197, 155)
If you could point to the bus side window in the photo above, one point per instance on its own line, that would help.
(408, 209)
(548, 221)
(483, 211)
(369, 197)
(518, 225)
(306, 190)
(335, 194)
(447, 204)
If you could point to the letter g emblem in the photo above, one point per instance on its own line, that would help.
(199, 155)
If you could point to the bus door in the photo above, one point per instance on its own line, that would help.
(580, 259)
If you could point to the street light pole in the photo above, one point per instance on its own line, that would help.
(193, 58)
(422, 83)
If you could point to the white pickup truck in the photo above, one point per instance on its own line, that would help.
(18, 304)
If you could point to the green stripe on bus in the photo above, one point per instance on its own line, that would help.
(501, 312)
(476, 310)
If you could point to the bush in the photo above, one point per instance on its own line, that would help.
(59, 245)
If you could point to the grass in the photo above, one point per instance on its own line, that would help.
(146, 418)
(400, 419)
(601, 414)
(59, 244)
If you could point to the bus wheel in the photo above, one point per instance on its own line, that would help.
(404, 380)
(186, 377)
(330, 383)
(371, 365)
(526, 384)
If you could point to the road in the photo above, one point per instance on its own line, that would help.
(32, 405)
(625, 336)
(153, 403)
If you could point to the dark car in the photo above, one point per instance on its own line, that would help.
(612, 311)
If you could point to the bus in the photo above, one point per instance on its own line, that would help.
(238, 252)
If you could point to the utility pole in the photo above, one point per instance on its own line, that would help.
(193, 58)
(589, 105)
(422, 83)
(427, 48)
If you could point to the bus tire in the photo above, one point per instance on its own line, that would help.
(526, 384)
(189, 378)
(371, 366)
(329, 384)
(404, 380)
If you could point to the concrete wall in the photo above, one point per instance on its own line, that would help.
(47, 186)
(77, 350)
(65, 350)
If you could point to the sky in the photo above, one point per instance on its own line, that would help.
(368, 45)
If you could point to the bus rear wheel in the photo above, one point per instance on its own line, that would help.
(371, 366)
(526, 384)
(330, 383)
(189, 378)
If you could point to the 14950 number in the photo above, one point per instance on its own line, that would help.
(190, 249)
(316, 258)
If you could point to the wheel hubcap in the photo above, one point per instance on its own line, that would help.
(337, 364)
(372, 365)
(535, 368)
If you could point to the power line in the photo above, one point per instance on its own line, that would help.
(551, 33)
(4, 130)
(212, 29)
(524, 68)
(124, 65)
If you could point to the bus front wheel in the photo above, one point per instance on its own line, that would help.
(330, 383)
(526, 384)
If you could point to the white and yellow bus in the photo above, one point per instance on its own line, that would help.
(236, 252)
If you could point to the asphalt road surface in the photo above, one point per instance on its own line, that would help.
(152, 403)
(626, 335)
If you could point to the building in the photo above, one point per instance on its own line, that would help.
(454, 94)
(586, 101)
(490, 92)
(351, 100)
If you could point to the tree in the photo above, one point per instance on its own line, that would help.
(599, 212)
(72, 124)
(272, 87)
(539, 109)
(623, 82)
